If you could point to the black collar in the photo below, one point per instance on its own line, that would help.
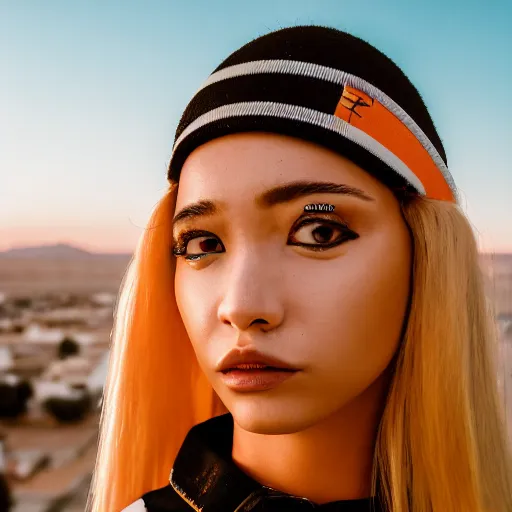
(205, 476)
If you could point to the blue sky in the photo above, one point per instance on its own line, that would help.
(92, 91)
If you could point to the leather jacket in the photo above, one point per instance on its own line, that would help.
(204, 478)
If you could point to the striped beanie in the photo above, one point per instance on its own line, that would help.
(328, 87)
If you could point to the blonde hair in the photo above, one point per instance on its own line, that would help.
(441, 445)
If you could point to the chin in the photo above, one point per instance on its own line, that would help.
(273, 417)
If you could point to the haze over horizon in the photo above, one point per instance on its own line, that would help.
(93, 91)
(61, 247)
(56, 247)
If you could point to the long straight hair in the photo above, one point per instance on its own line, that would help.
(441, 445)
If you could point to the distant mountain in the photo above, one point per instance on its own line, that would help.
(499, 256)
(67, 251)
(502, 258)
(57, 251)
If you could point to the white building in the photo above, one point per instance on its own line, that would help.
(34, 333)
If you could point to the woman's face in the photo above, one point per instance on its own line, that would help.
(324, 292)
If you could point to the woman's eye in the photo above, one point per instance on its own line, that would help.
(195, 248)
(321, 234)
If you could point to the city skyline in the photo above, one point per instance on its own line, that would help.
(93, 93)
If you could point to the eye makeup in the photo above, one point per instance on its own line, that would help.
(320, 225)
(180, 243)
(319, 207)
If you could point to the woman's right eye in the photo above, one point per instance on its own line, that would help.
(195, 248)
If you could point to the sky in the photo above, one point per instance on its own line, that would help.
(91, 92)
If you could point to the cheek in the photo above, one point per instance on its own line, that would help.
(194, 303)
(358, 323)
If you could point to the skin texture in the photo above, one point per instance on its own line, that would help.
(336, 314)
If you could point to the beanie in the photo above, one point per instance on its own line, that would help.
(328, 87)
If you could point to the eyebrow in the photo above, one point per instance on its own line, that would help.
(276, 195)
(296, 189)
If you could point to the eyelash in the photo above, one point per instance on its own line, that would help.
(347, 234)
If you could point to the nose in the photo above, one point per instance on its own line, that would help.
(252, 297)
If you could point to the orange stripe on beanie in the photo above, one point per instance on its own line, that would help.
(367, 114)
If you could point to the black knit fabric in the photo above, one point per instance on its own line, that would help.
(313, 44)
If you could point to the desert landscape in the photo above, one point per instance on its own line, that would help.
(53, 297)
(60, 269)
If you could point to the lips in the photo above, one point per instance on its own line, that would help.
(251, 371)
(252, 360)
(256, 366)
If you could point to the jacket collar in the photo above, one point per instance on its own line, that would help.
(206, 477)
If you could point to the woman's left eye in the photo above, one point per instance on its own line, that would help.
(319, 234)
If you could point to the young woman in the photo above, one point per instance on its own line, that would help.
(303, 324)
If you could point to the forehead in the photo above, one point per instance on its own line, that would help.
(239, 167)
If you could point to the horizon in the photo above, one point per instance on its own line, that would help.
(94, 91)
(123, 253)
(62, 244)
